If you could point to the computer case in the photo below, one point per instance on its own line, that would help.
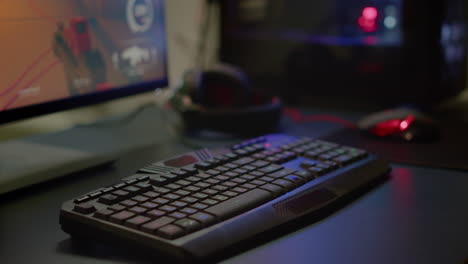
(385, 51)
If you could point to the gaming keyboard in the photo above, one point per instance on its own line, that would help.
(199, 203)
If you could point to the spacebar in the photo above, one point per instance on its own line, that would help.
(240, 203)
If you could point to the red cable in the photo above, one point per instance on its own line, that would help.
(35, 78)
(28, 69)
(297, 117)
(41, 13)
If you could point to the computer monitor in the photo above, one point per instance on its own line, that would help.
(58, 55)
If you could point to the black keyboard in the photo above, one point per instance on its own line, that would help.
(199, 203)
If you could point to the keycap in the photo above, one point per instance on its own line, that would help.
(204, 218)
(189, 210)
(108, 199)
(275, 189)
(137, 221)
(120, 217)
(282, 173)
(188, 225)
(153, 226)
(84, 208)
(161, 201)
(103, 214)
(288, 185)
(155, 213)
(82, 199)
(170, 232)
(240, 203)
(296, 179)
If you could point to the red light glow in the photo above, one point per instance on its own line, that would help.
(368, 19)
(370, 13)
(404, 124)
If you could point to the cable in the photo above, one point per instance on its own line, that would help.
(298, 117)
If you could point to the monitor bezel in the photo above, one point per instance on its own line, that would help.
(35, 110)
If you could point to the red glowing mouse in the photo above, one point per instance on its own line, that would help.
(401, 124)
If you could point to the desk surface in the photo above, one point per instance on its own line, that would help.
(419, 215)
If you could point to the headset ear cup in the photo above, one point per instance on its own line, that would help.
(224, 87)
(222, 100)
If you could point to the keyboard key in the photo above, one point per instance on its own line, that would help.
(220, 198)
(191, 171)
(84, 208)
(138, 210)
(260, 164)
(108, 199)
(155, 213)
(275, 189)
(189, 225)
(203, 165)
(210, 192)
(117, 208)
(192, 188)
(296, 179)
(162, 190)
(151, 194)
(171, 196)
(204, 218)
(120, 217)
(240, 203)
(172, 186)
(159, 181)
(266, 179)
(103, 214)
(231, 166)
(179, 204)
(178, 215)
(183, 183)
(248, 186)
(170, 232)
(200, 206)
(136, 221)
(161, 201)
(282, 173)
(140, 198)
(239, 190)
(168, 208)
(213, 172)
(182, 193)
(128, 203)
(229, 194)
(308, 163)
(154, 225)
(316, 171)
(200, 195)
(305, 174)
(189, 210)
(284, 183)
(243, 161)
(149, 205)
(132, 190)
(190, 200)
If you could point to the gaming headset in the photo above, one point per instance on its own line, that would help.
(222, 99)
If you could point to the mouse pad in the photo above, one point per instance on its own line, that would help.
(451, 151)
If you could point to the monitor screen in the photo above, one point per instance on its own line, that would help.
(60, 54)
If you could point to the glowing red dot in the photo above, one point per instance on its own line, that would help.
(403, 125)
(370, 13)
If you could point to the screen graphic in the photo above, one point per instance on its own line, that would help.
(55, 49)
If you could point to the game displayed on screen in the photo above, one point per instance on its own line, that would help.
(56, 49)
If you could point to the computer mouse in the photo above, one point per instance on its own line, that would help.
(403, 124)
